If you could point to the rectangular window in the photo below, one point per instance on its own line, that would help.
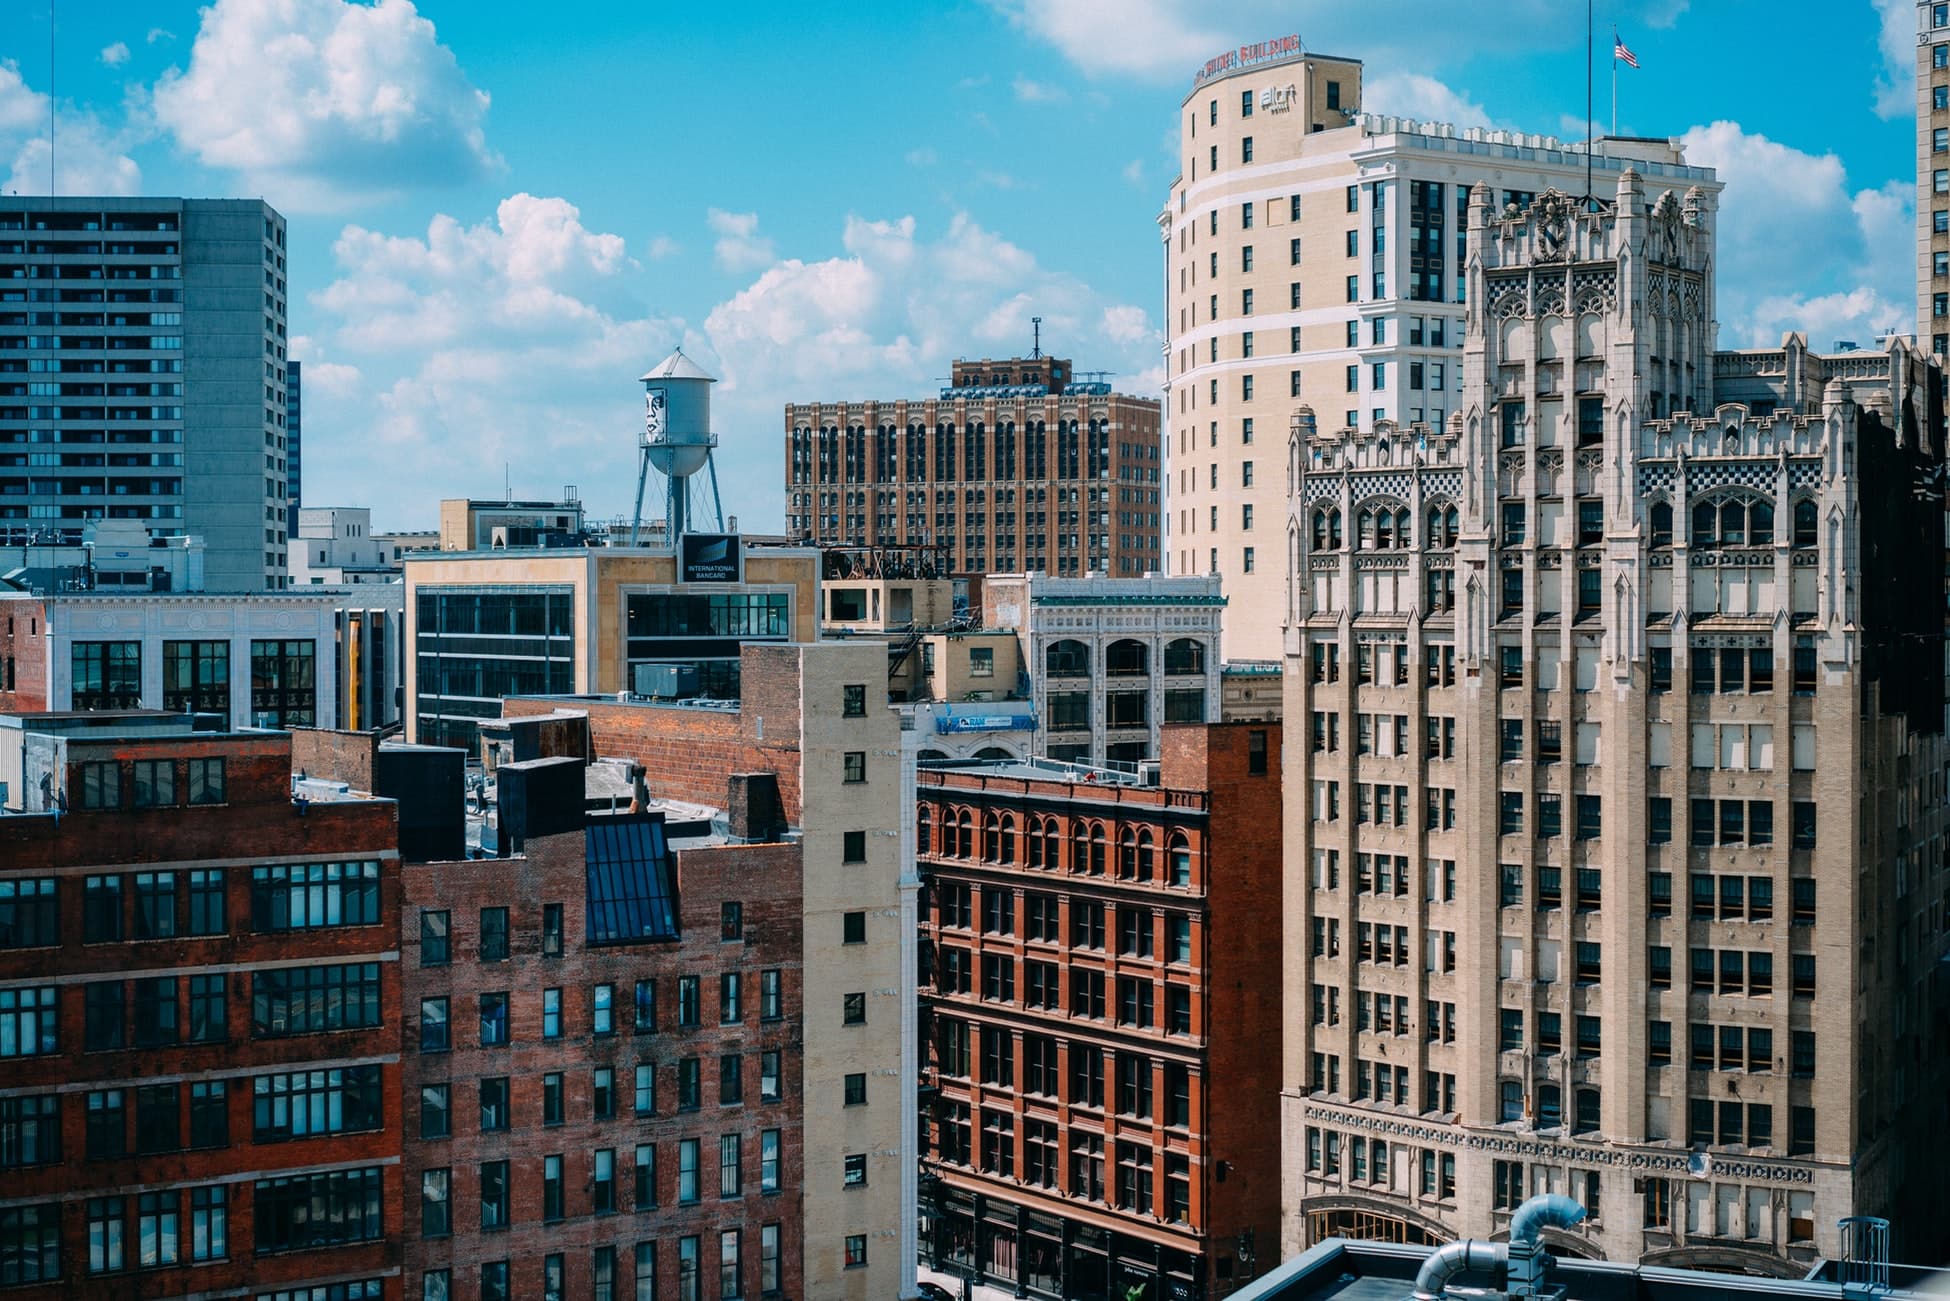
(209, 1222)
(155, 783)
(494, 1195)
(343, 1100)
(436, 1203)
(436, 1110)
(602, 1182)
(206, 781)
(551, 1013)
(311, 896)
(646, 1007)
(309, 1000)
(433, 937)
(436, 1034)
(494, 1019)
(308, 1211)
(494, 935)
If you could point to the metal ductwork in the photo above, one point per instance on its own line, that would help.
(1522, 1258)
(1447, 1262)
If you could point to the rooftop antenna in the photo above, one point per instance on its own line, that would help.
(677, 439)
(1036, 352)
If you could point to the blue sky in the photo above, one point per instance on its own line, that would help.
(502, 213)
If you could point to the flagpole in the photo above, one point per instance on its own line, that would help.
(1614, 81)
(1587, 101)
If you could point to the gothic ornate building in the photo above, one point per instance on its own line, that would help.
(1615, 852)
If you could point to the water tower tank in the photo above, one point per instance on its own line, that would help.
(677, 416)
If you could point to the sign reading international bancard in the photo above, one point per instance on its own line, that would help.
(1248, 55)
(709, 558)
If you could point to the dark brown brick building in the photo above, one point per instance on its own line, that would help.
(199, 1003)
(1101, 1018)
(602, 1064)
(1019, 464)
(23, 656)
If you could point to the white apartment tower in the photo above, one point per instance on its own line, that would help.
(1616, 861)
(1314, 254)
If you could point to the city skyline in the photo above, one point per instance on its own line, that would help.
(472, 297)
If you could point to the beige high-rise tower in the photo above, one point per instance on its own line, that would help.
(1314, 254)
(1616, 709)
(1933, 176)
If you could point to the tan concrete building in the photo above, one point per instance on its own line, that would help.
(813, 729)
(482, 625)
(1314, 254)
(1616, 848)
(1110, 660)
(1933, 176)
(1017, 463)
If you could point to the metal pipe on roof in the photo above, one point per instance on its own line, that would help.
(1522, 1258)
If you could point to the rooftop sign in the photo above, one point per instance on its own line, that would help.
(1246, 56)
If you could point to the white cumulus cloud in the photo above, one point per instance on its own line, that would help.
(1039, 92)
(887, 318)
(739, 246)
(1411, 94)
(84, 156)
(439, 357)
(1799, 248)
(115, 55)
(1895, 85)
(1166, 40)
(320, 104)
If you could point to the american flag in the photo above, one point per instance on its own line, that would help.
(1621, 54)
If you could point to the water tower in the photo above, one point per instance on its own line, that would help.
(677, 439)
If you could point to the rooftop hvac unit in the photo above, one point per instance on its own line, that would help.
(666, 681)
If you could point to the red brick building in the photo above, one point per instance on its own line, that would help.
(199, 1003)
(23, 655)
(601, 1061)
(1017, 464)
(1101, 1018)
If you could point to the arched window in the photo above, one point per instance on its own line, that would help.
(1051, 835)
(1365, 536)
(1804, 522)
(1127, 658)
(1178, 856)
(1384, 530)
(1442, 526)
(1035, 846)
(1760, 524)
(1008, 846)
(1320, 530)
(1099, 848)
(1661, 521)
(1334, 530)
(1067, 659)
(924, 830)
(1733, 519)
(992, 838)
(1585, 1121)
(1144, 850)
(965, 835)
(1127, 855)
(1184, 655)
(1550, 1106)
(1402, 538)
(1080, 850)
